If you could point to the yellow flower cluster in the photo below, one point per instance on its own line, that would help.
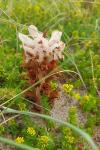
(72, 109)
(44, 139)
(31, 131)
(68, 135)
(53, 85)
(70, 139)
(79, 13)
(22, 106)
(67, 130)
(75, 34)
(19, 140)
(77, 96)
(67, 87)
(87, 97)
(12, 122)
(78, 3)
(88, 43)
(37, 8)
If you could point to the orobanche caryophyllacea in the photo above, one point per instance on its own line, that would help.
(41, 56)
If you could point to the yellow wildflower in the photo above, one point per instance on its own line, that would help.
(44, 139)
(22, 106)
(12, 122)
(88, 43)
(37, 8)
(67, 87)
(31, 131)
(19, 140)
(76, 96)
(78, 4)
(75, 34)
(53, 85)
(68, 135)
(87, 97)
(73, 109)
(79, 13)
(67, 131)
(70, 139)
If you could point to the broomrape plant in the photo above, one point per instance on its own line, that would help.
(41, 57)
(37, 46)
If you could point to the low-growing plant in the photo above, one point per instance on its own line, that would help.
(6, 93)
(12, 127)
(2, 129)
(91, 121)
(3, 76)
(88, 103)
(73, 118)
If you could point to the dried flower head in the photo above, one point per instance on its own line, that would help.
(37, 46)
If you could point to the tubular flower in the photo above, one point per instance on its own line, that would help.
(37, 46)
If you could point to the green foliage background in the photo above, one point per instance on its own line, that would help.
(80, 23)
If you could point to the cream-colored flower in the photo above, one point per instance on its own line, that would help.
(33, 31)
(36, 45)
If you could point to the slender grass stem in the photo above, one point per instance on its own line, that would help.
(79, 131)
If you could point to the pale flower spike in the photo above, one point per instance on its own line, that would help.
(37, 45)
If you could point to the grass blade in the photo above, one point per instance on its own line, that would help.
(10, 142)
(79, 131)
